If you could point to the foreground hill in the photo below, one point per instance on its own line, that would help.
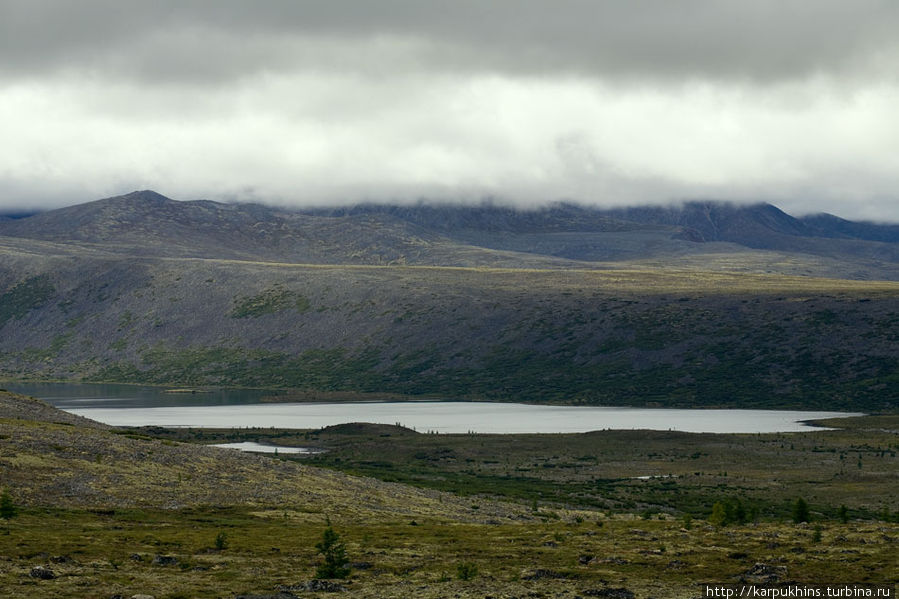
(51, 458)
(145, 289)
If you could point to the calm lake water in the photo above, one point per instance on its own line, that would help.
(128, 405)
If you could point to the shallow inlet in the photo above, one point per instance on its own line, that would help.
(263, 448)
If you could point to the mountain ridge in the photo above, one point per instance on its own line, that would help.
(147, 223)
(465, 235)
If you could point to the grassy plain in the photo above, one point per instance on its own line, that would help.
(98, 554)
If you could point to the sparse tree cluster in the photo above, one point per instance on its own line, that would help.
(731, 512)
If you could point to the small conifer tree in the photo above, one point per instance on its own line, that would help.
(800, 511)
(843, 514)
(334, 552)
(8, 509)
(466, 571)
(221, 541)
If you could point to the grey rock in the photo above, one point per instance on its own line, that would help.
(42, 573)
(761, 573)
(543, 573)
(165, 560)
(316, 585)
(610, 593)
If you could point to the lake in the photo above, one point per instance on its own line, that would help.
(129, 405)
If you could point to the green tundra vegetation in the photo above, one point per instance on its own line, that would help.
(171, 554)
(270, 301)
(125, 511)
(29, 294)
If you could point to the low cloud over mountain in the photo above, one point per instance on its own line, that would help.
(303, 103)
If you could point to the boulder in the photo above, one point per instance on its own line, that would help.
(316, 586)
(165, 560)
(764, 574)
(610, 593)
(42, 573)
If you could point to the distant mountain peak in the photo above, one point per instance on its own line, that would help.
(143, 195)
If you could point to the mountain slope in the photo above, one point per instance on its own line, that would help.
(762, 226)
(144, 289)
(603, 337)
(760, 234)
(828, 225)
(493, 218)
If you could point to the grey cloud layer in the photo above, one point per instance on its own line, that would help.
(758, 40)
(301, 101)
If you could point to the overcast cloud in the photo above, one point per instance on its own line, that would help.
(311, 102)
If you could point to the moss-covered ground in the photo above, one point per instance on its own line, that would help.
(104, 553)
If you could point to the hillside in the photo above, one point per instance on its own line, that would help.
(52, 458)
(145, 289)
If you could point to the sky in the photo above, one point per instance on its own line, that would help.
(300, 102)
